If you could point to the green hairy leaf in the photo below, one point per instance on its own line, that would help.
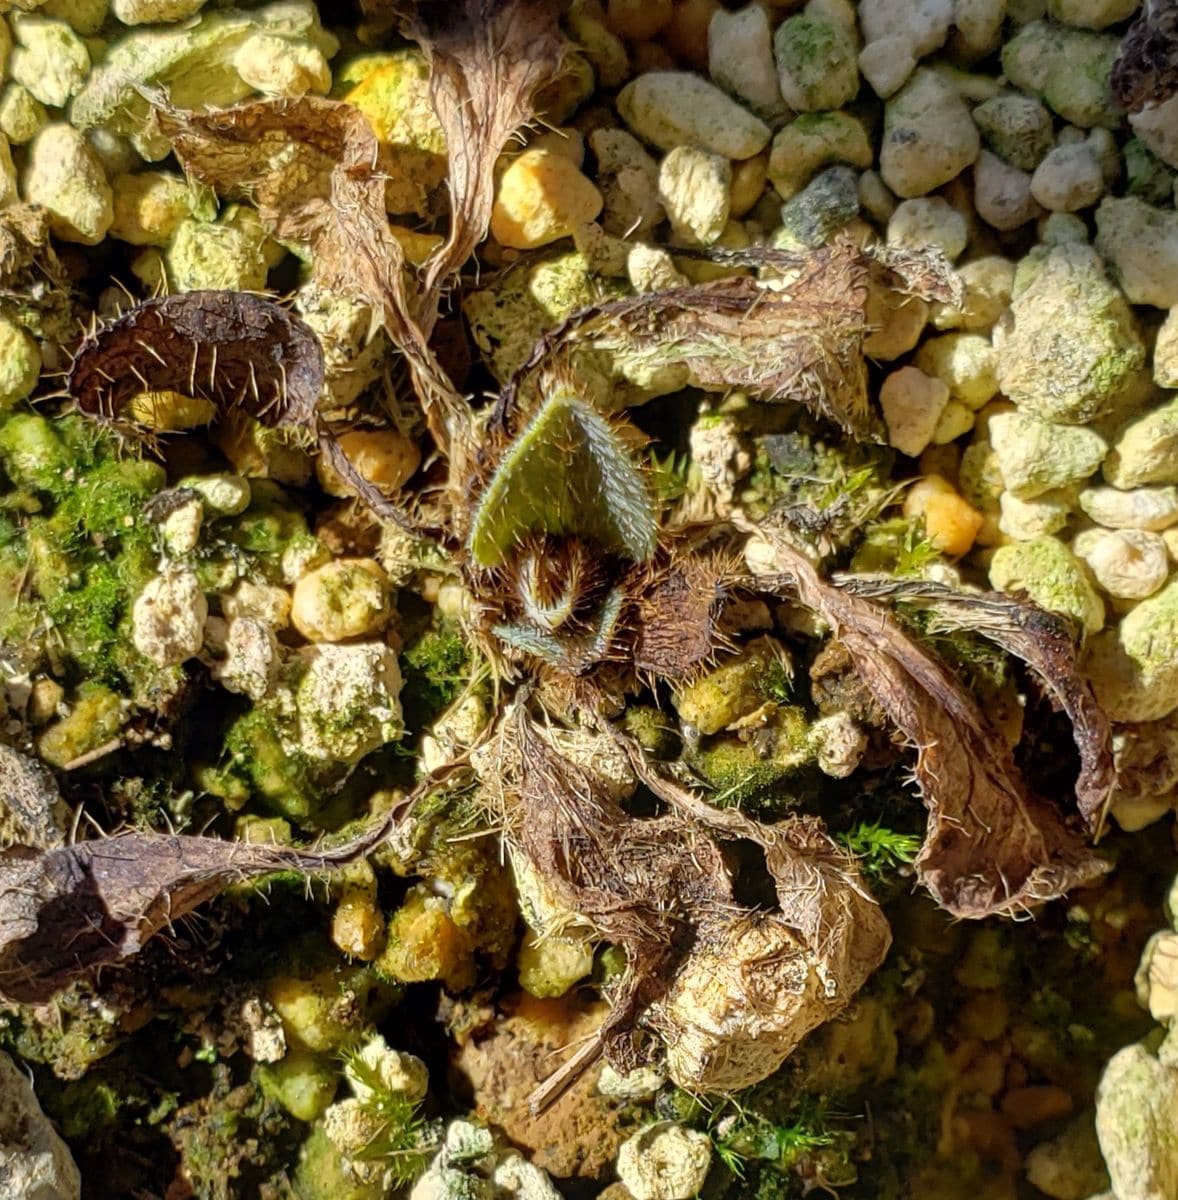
(567, 472)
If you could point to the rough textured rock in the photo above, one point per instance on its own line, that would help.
(1146, 450)
(665, 1162)
(1137, 1124)
(929, 136)
(580, 1134)
(1140, 243)
(1047, 571)
(1134, 668)
(1069, 345)
(1036, 456)
(35, 1163)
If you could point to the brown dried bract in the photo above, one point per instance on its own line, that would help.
(990, 847)
(1047, 643)
(1146, 70)
(796, 338)
(73, 909)
(487, 60)
(237, 349)
(729, 990)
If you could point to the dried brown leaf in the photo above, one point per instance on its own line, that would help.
(71, 910)
(313, 169)
(237, 349)
(1047, 643)
(1146, 70)
(990, 847)
(798, 339)
(730, 991)
(487, 59)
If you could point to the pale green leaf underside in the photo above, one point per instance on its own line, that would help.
(567, 473)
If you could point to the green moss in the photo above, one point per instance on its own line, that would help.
(268, 528)
(435, 668)
(321, 1174)
(257, 756)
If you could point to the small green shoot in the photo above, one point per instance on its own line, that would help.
(405, 1141)
(668, 476)
(879, 850)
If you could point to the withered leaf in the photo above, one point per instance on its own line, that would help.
(990, 847)
(729, 990)
(70, 910)
(33, 284)
(679, 606)
(1046, 642)
(487, 59)
(313, 169)
(1146, 70)
(796, 340)
(237, 349)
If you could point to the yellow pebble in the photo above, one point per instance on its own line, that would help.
(415, 245)
(170, 411)
(748, 183)
(952, 523)
(384, 457)
(542, 198)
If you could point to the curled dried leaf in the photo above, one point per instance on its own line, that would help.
(1146, 70)
(796, 339)
(237, 349)
(990, 847)
(487, 60)
(1047, 643)
(729, 990)
(73, 909)
(69, 910)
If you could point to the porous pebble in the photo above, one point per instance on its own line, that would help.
(1037, 456)
(928, 221)
(1069, 178)
(1129, 564)
(665, 1161)
(35, 1164)
(1070, 345)
(816, 63)
(65, 175)
(1157, 127)
(1140, 243)
(967, 364)
(1153, 508)
(887, 64)
(1024, 520)
(20, 363)
(987, 284)
(49, 59)
(1136, 1115)
(1067, 68)
(1002, 193)
(344, 598)
(168, 618)
(928, 137)
(151, 12)
(740, 59)
(819, 210)
(627, 177)
(676, 108)
(814, 141)
(1165, 352)
(695, 189)
(1146, 449)
(912, 404)
(922, 25)
(1016, 127)
(542, 197)
(1047, 571)
(22, 115)
(1091, 14)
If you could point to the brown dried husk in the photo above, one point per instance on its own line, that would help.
(1146, 70)
(729, 991)
(990, 847)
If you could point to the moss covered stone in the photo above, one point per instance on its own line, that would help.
(1070, 346)
(1134, 668)
(1047, 571)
